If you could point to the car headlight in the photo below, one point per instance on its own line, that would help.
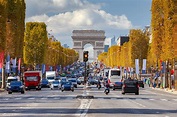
(21, 86)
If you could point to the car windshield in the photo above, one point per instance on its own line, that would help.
(72, 80)
(115, 72)
(16, 83)
(50, 78)
(55, 82)
(44, 80)
(10, 80)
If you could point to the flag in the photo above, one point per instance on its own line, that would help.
(19, 64)
(14, 62)
(1, 61)
(144, 66)
(43, 68)
(137, 66)
(8, 64)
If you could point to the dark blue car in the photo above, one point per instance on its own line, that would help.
(16, 86)
(45, 83)
(68, 86)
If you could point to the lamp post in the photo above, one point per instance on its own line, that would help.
(169, 73)
(175, 74)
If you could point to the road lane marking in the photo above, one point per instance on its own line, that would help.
(18, 98)
(83, 108)
(43, 98)
(151, 99)
(137, 103)
(5, 99)
(31, 98)
(164, 99)
(175, 99)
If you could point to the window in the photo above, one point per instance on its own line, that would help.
(115, 72)
(31, 78)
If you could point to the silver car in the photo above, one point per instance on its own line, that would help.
(55, 85)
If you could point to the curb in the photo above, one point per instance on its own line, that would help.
(166, 90)
(2, 90)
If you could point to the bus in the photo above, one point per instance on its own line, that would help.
(115, 78)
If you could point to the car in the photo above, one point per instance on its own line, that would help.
(67, 86)
(130, 86)
(78, 81)
(73, 81)
(63, 80)
(92, 81)
(55, 85)
(9, 79)
(45, 83)
(16, 86)
(141, 83)
(117, 85)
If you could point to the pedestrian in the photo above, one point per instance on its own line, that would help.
(148, 82)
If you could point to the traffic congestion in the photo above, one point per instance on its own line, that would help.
(74, 77)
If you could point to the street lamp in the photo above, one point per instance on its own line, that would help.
(170, 66)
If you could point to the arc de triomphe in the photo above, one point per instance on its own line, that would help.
(94, 37)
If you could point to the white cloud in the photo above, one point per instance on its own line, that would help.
(38, 7)
(78, 15)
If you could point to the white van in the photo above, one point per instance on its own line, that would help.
(50, 76)
(115, 78)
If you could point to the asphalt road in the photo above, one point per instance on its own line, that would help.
(48, 103)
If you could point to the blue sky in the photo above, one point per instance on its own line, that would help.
(116, 17)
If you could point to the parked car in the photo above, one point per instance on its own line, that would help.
(67, 86)
(141, 83)
(16, 86)
(45, 83)
(130, 86)
(55, 85)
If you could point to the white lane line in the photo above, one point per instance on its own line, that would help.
(174, 99)
(43, 98)
(56, 98)
(137, 103)
(5, 99)
(83, 108)
(164, 100)
(17, 98)
(31, 98)
(151, 99)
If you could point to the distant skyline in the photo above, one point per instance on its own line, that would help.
(116, 17)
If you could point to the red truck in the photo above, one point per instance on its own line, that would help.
(32, 80)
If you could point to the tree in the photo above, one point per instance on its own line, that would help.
(35, 43)
(15, 27)
(3, 15)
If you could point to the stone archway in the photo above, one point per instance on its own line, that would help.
(94, 37)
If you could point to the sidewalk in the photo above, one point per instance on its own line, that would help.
(172, 91)
(2, 90)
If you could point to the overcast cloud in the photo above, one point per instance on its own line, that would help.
(64, 16)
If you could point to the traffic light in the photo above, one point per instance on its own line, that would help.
(85, 56)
